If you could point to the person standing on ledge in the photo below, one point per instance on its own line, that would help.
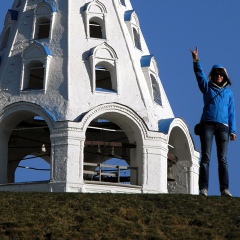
(218, 119)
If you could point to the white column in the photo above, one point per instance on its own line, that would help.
(67, 155)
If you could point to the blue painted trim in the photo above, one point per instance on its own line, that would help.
(47, 50)
(50, 114)
(53, 8)
(105, 90)
(91, 52)
(86, 6)
(146, 60)
(164, 124)
(128, 15)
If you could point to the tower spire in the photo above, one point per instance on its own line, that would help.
(78, 78)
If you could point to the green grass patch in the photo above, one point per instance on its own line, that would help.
(50, 216)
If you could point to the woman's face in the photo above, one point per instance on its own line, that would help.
(218, 76)
(218, 79)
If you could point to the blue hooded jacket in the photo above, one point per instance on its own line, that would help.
(218, 101)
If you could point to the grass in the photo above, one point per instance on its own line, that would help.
(117, 216)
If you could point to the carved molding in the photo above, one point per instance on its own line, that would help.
(25, 106)
(123, 110)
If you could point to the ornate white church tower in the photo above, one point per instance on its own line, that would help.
(81, 91)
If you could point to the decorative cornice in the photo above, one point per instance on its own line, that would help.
(124, 111)
(26, 106)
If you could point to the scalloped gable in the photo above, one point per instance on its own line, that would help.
(96, 7)
(45, 8)
(103, 51)
(36, 50)
(131, 16)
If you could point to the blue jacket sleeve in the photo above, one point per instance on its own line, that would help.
(232, 118)
(200, 76)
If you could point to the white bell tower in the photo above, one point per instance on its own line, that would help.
(80, 90)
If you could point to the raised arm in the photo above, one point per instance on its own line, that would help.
(200, 75)
(195, 54)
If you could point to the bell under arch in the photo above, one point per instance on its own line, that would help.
(74, 69)
(113, 132)
(25, 130)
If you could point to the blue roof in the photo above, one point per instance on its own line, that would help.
(146, 60)
(47, 50)
(91, 52)
(164, 124)
(86, 6)
(50, 114)
(53, 8)
(128, 15)
(14, 14)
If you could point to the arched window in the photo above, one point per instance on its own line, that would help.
(10, 19)
(34, 76)
(103, 78)
(137, 40)
(42, 28)
(156, 90)
(150, 71)
(95, 20)
(35, 65)
(44, 16)
(103, 60)
(132, 22)
(95, 29)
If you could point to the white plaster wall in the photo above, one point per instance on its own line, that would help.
(69, 95)
(69, 92)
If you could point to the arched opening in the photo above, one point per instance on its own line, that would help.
(95, 29)
(137, 39)
(179, 150)
(29, 149)
(103, 78)
(31, 169)
(95, 20)
(34, 76)
(104, 63)
(156, 91)
(108, 154)
(42, 28)
(5, 39)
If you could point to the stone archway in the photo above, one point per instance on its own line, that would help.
(24, 131)
(113, 127)
(182, 149)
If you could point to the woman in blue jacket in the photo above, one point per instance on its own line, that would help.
(218, 119)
